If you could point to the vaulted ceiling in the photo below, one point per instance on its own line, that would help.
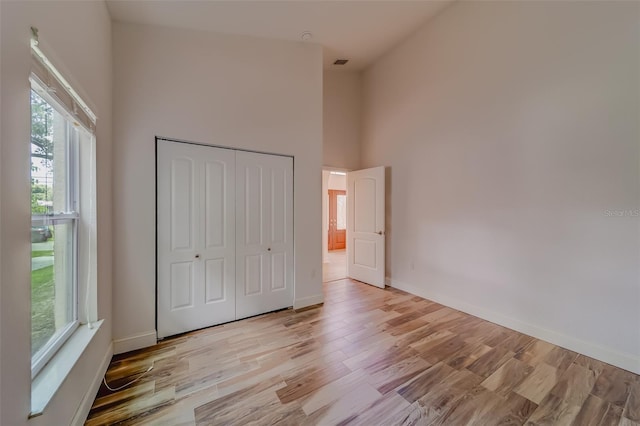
(358, 30)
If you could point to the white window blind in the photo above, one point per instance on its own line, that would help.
(47, 76)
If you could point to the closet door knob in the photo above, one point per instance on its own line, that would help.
(269, 249)
(197, 256)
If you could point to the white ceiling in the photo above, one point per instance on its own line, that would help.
(358, 30)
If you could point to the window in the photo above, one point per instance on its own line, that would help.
(64, 285)
(54, 225)
(342, 212)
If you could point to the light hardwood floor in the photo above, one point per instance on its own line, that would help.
(336, 266)
(368, 357)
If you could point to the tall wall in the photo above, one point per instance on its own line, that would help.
(511, 133)
(233, 91)
(338, 182)
(342, 99)
(77, 38)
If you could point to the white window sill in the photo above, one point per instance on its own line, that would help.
(45, 385)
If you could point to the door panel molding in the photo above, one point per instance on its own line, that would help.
(224, 219)
(336, 236)
(366, 226)
(273, 215)
(191, 199)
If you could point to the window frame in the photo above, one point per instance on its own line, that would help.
(71, 216)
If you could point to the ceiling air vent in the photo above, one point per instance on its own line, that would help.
(340, 61)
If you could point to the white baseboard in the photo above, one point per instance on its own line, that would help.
(87, 401)
(138, 341)
(619, 359)
(308, 301)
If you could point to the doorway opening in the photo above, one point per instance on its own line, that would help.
(334, 220)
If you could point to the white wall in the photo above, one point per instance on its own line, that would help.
(510, 128)
(232, 91)
(337, 182)
(77, 37)
(342, 99)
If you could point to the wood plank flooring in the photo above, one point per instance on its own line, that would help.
(366, 357)
(336, 266)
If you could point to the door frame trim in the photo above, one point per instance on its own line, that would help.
(162, 138)
(331, 193)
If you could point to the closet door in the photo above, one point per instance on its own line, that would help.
(195, 237)
(264, 243)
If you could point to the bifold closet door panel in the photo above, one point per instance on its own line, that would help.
(195, 237)
(264, 237)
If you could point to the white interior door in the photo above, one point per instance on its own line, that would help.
(366, 226)
(264, 251)
(195, 237)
